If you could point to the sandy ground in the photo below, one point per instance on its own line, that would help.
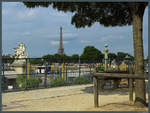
(68, 98)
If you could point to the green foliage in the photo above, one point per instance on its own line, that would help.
(91, 53)
(37, 4)
(87, 13)
(7, 59)
(31, 82)
(4, 83)
(75, 58)
(101, 68)
(20, 80)
(36, 61)
(48, 57)
(56, 58)
(112, 56)
(122, 55)
(58, 82)
(81, 80)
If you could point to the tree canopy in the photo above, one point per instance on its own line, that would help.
(107, 14)
(122, 55)
(91, 53)
(112, 56)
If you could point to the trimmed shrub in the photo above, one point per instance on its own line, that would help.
(20, 81)
(58, 82)
(31, 82)
(4, 83)
(81, 80)
(101, 68)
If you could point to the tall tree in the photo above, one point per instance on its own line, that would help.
(112, 56)
(110, 14)
(91, 53)
(122, 55)
(75, 58)
(36, 61)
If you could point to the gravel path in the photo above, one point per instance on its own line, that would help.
(68, 98)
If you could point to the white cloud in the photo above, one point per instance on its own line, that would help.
(110, 38)
(66, 36)
(31, 13)
(69, 35)
(58, 14)
(55, 43)
(27, 13)
(26, 33)
(85, 41)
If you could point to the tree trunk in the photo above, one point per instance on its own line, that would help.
(140, 94)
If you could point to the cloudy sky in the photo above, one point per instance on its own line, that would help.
(39, 28)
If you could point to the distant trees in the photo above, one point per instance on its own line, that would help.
(36, 61)
(75, 58)
(56, 58)
(112, 56)
(91, 53)
(7, 59)
(122, 55)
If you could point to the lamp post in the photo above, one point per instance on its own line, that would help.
(45, 80)
(106, 56)
(127, 59)
(79, 69)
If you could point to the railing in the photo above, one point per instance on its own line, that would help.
(33, 73)
(23, 74)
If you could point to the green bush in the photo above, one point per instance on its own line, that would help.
(58, 82)
(20, 81)
(31, 82)
(81, 80)
(101, 68)
(4, 83)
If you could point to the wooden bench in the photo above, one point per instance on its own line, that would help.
(111, 76)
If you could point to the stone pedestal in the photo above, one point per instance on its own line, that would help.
(19, 66)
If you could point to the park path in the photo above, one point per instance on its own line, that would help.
(12, 100)
(67, 98)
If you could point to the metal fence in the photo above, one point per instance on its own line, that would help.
(33, 73)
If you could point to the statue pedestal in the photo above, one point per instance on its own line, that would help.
(20, 61)
(19, 66)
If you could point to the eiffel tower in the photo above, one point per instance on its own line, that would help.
(61, 49)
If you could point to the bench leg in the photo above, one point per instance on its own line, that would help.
(131, 91)
(95, 91)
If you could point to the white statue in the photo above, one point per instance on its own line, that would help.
(114, 65)
(20, 61)
(20, 52)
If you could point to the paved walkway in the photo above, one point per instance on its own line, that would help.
(11, 100)
(67, 98)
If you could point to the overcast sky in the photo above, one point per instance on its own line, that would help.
(39, 29)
